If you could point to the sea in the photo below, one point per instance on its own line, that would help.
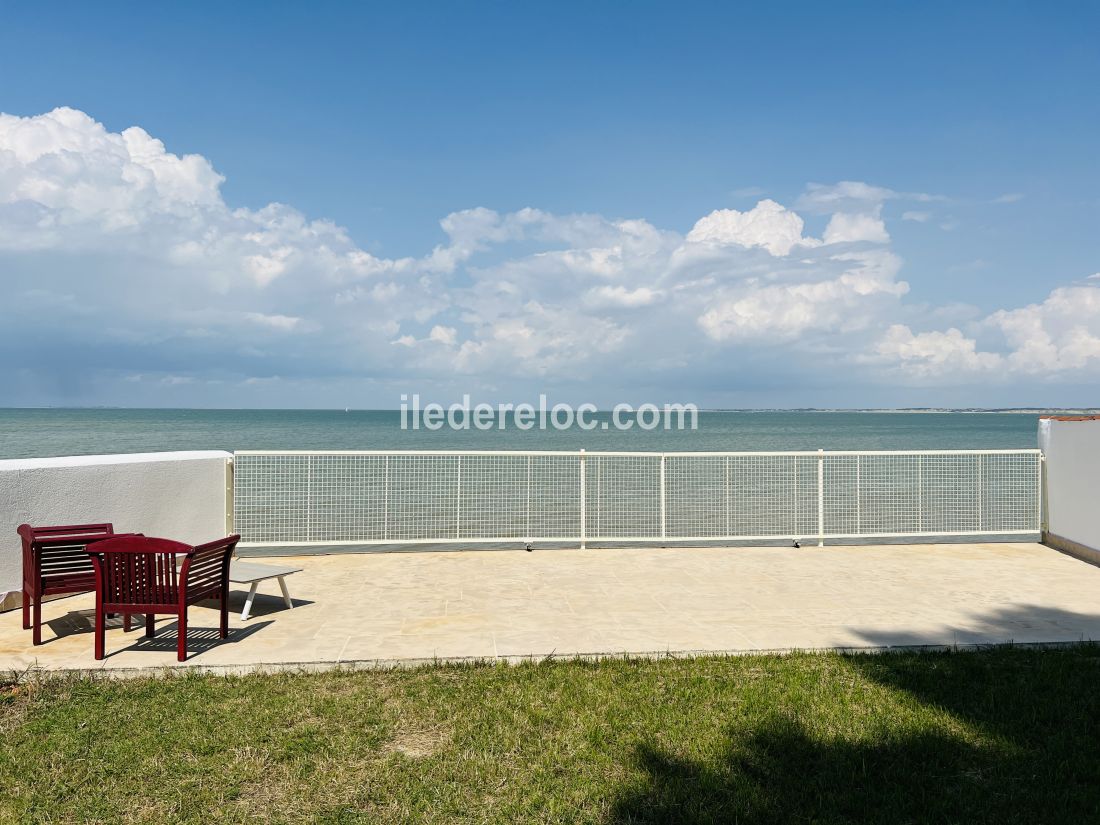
(26, 433)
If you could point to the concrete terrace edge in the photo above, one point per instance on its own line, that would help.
(351, 666)
(1072, 548)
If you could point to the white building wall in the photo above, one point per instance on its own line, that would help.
(1071, 448)
(179, 495)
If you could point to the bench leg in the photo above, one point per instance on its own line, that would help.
(286, 593)
(248, 601)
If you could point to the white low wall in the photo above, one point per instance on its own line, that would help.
(1071, 449)
(178, 495)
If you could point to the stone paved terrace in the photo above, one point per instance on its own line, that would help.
(373, 608)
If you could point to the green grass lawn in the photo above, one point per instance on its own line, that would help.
(1006, 735)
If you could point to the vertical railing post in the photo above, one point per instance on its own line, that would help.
(584, 517)
(859, 494)
(981, 493)
(729, 495)
(820, 498)
(229, 496)
(662, 495)
(309, 498)
(1041, 514)
(795, 525)
(920, 494)
(385, 498)
(458, 499)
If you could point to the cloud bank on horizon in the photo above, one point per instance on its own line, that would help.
(126, 274)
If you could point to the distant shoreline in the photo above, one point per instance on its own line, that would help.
(933, 410)
(880, 410)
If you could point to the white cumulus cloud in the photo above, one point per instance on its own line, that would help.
(934, 353)
(847, 227)
(1047, 340)
(768, 225)
(145, 270)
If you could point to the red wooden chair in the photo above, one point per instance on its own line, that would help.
(55, 562)
(135, 574)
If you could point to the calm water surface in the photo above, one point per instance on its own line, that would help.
(53, 432)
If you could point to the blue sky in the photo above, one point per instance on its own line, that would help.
(957, 143)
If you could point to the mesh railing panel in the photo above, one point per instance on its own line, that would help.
(346, 497)
(697, 496)
(1010, 495)
(623, 495)
(318, 498)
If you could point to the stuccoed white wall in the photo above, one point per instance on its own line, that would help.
(178, 495)
(1072, 453)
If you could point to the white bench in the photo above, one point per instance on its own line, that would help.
(246, 572)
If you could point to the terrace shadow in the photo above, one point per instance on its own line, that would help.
(199, 639)
(1020, 624)
(263, 604)
(81, 621)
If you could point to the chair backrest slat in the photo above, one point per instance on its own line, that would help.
(65, 531)
(205, 572)
(133, 575)
(55, 558)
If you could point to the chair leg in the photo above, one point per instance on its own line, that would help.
(100, 633)
(26, 609)
(181, 644)
(125, 622)
(36, 620)
(225, 615)
(150, 625)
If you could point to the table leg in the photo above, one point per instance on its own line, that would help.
(286, 593)
(248, 601)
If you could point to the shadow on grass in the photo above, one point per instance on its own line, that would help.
(779, 774)
(1014, 741)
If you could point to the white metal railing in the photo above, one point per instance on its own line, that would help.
(283, 498)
